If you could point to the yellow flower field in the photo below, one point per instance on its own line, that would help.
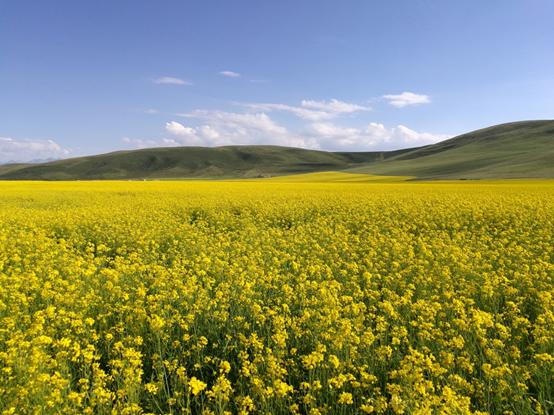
(277, 297)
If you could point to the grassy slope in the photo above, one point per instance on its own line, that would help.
(514, 150)
(6, 168)
(195, 162)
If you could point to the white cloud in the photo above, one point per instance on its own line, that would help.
(406, 98)
(12, 149)
(374, 136)
(313, 110)
(230, 74)
(169, 80)
(220, 128)
(258, 121)
(300, 112)
(334, 106)
(226, 128)
(254, 125)
(179, 129)
(151, 111)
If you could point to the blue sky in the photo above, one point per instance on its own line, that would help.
(83, 77)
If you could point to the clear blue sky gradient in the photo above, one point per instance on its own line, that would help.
(80, 72)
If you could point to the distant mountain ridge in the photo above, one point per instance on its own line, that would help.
(514, 150)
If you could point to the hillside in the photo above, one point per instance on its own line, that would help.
(6, 168)
(513, 150)
(194, 162)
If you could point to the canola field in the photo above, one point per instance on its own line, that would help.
(276, 297)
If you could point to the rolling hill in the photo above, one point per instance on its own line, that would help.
(515, 150)
(522, 149)
(6, 168)
(194, 162)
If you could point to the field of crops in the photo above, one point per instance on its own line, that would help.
(272, 297)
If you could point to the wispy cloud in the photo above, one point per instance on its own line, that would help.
(313, 110)
(334, 106)
(170, 80)
(21, 150)
(142, 142)
(230, 74)
(406, 98)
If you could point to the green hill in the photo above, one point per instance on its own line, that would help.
(194, 162)
(514, 150)
(6, 168)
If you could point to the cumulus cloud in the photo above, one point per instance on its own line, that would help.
(374, 136)
(169, 80)
(316, 128)
(313, 110)
(14, 150)
(230, 74)
(219, 128)
(406, 98)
